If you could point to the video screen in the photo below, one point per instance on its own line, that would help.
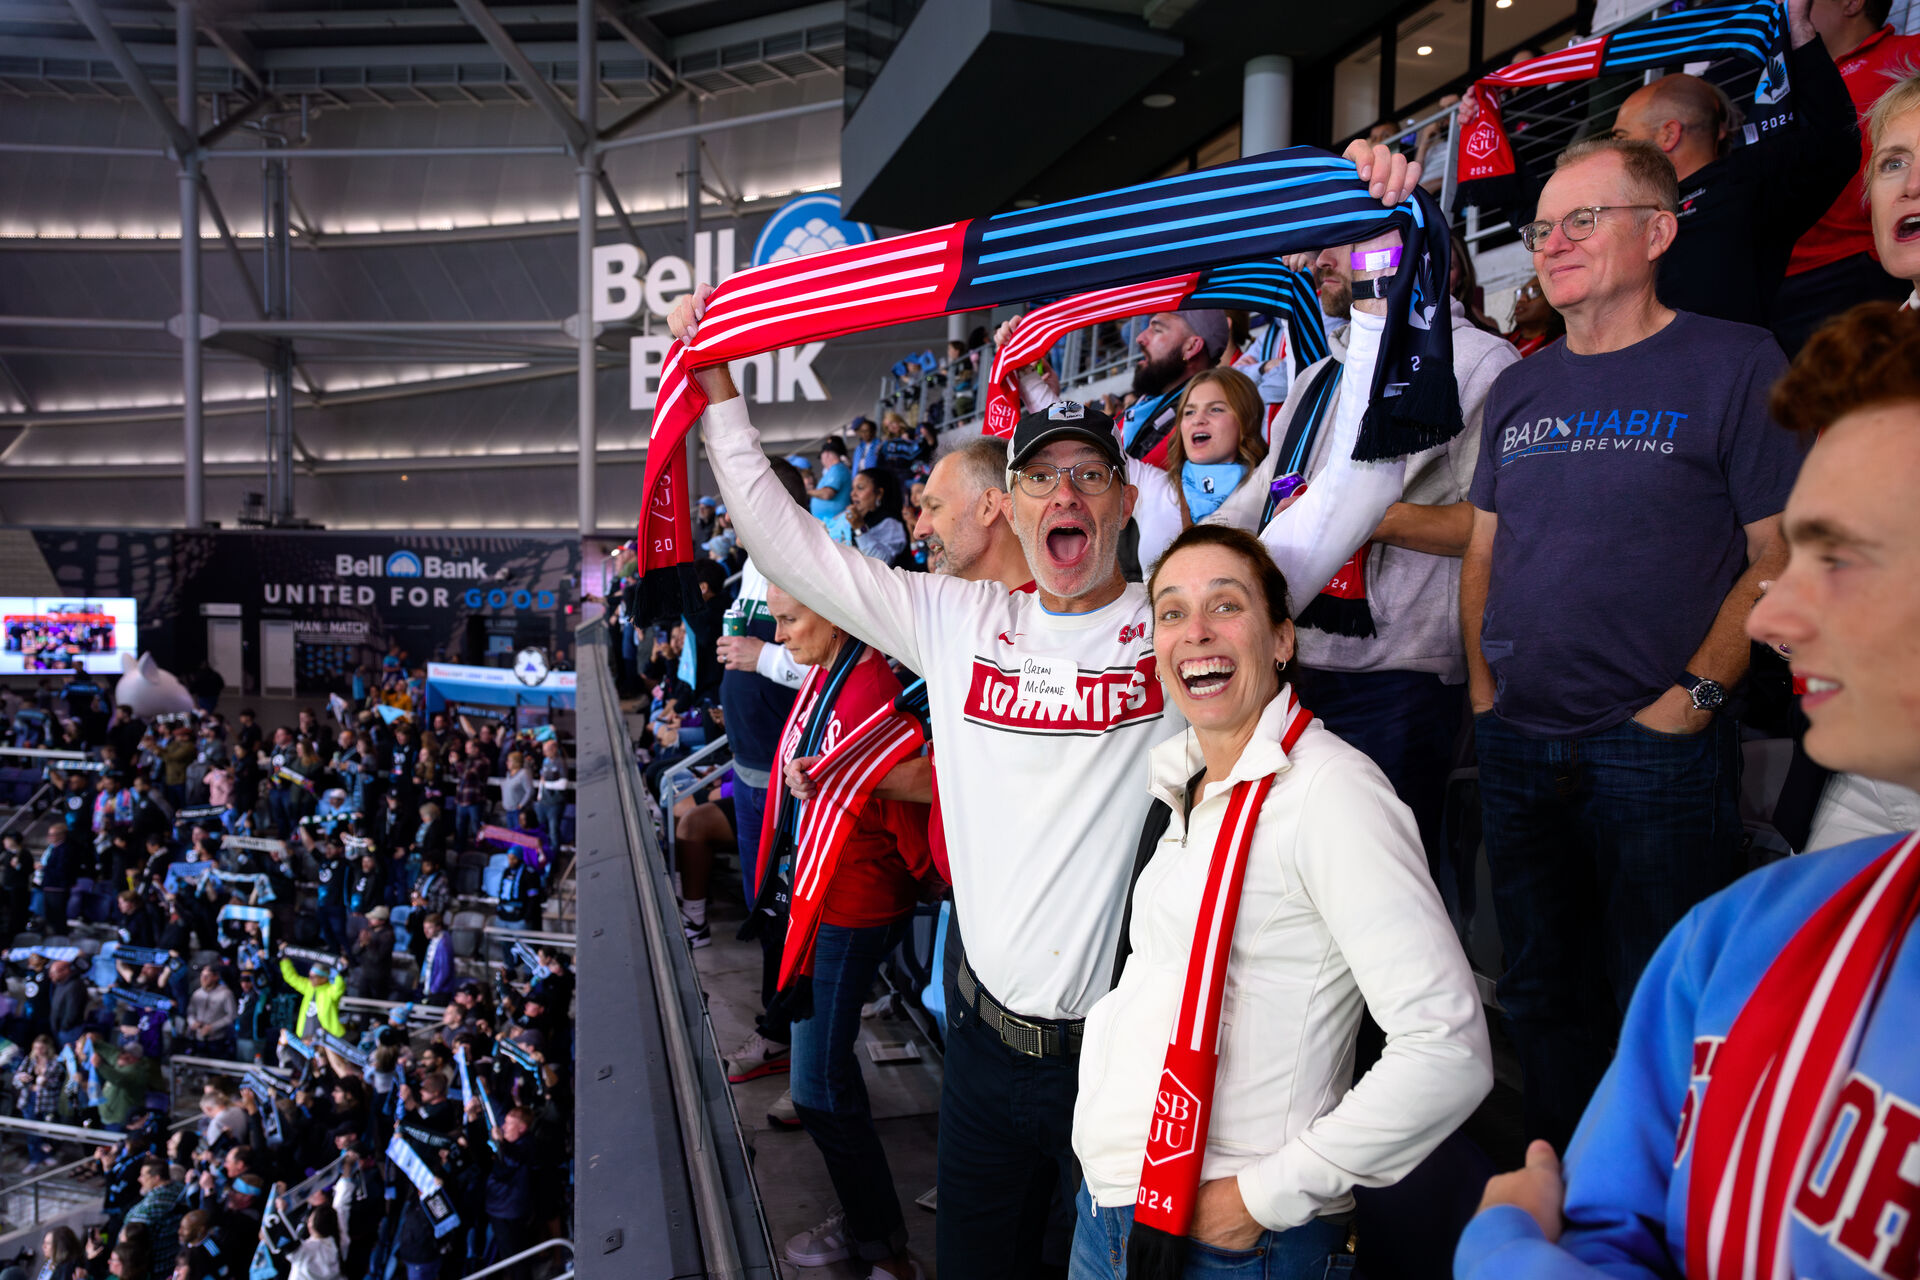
(59, 633)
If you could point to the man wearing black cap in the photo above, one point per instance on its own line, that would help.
(1056, 685)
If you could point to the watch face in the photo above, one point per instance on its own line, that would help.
(1708, 695)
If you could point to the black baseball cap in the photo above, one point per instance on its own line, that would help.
(1064, 420)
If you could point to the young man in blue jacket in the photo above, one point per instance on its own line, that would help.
(1762, 1116)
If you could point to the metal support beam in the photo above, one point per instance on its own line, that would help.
(180, 139)
(640, 113)
(619, 210)
(716, 126)
(536, 84)
(237, 48)
(192, 424)
(235, 118)
(232, 242)
(20, 392)
(638, 30)
(585, 179)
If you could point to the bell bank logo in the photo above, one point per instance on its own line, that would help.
(410, 564)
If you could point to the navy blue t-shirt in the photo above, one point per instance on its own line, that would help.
(1622, 482)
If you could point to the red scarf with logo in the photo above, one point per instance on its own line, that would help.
(1183, 1104)
(1775, 1081)
(845, 777)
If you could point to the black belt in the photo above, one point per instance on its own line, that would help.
(1035, 1037)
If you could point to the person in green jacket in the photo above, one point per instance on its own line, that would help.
(125, 1081)
(320, 994)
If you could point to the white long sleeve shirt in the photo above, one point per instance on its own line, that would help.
(1337, 908)
(1042, 802)
(1341, 508)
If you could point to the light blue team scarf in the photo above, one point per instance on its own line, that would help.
(1208, 484)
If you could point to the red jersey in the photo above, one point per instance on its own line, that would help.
(1844, 230)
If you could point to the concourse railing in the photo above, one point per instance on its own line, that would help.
(664, 1186)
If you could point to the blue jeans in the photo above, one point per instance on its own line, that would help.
(1407, 722)
(1007, 1172)
(466, 824)
(1315, 1250)
(333, 925)
(550, 812)
(829, 1093)
(1598, 846)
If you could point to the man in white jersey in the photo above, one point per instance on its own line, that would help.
(1056, 688)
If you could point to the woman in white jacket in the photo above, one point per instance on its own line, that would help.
(322, 1255)
(1288, 888)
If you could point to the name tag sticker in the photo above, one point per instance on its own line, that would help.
(1051, 682)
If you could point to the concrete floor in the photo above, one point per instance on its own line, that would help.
(794, 1189)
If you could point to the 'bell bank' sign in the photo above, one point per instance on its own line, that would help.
(620, 290)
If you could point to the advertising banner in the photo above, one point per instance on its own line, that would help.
(349, 597)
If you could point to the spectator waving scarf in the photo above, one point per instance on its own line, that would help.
(1777, 1079)
(845, 777)
(1183, 1105)
(1753, 32)
(1254, 286)
(1256, 208)
(1341, 607)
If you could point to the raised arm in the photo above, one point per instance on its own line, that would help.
(1339, 511)
(788, 545)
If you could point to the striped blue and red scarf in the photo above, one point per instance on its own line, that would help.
(1252, 210)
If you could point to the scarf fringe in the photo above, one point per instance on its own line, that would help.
(1337, 616)
(1427, 414)
(795, 999)
(663, 595)
(1153, 1254)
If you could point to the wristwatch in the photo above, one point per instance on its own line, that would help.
(1707, 695)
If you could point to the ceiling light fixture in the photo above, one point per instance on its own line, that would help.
(1157, 100)
(1424, 50)
(1503, 4)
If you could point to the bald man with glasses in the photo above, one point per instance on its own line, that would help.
(1626, 506)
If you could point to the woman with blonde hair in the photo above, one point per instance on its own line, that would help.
(1221, 438)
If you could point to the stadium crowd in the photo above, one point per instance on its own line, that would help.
(1654, 541)
(312, 926)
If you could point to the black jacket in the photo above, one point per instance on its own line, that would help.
(69, 1003)
(1740, 215)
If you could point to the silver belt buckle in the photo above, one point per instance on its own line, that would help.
(1037, 1048)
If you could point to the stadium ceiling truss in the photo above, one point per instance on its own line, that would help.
(282, 63)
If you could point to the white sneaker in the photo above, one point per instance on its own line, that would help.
(881, 1273)
(825, 1243)
(781, 1114)
(757, 1057)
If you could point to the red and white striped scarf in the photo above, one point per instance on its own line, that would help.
(1777, 1076)
(845, 777)
(1183, 1104)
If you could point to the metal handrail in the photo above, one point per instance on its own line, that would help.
(93, 1137)
(703, 1169)
(543, 1247)
(669, 790)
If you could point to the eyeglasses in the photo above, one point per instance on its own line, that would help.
(1526, 293)
(1090, 478)
(1578, 224)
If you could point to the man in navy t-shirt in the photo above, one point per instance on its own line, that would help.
(1627, 506)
